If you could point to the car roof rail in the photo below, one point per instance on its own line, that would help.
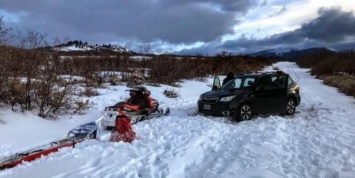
(280, 72)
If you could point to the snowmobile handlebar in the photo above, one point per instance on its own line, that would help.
(144, 91)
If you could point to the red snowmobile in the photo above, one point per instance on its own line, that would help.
(138, 107)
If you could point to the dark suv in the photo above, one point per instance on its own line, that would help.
(247, 95)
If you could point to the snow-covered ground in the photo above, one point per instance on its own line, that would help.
(318, 141)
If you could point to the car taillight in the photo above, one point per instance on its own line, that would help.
(297, 88)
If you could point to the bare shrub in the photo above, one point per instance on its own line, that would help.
(154, 84)
(162, 70)
(17, 94)
(89, 91)
(176, 84)
(136, 78)
(325, 67)
(91, 83)
(201, 79)
(80, 106)
(114, 80)
(329, 80)
(171, 93)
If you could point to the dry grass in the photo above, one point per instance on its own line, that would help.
(171, 93)
(89, 91)
(345, 84)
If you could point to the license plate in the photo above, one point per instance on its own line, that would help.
(207, 106)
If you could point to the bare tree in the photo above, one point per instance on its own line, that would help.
(53, 93)
(6, 67)
(146, 49)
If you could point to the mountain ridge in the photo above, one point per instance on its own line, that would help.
(290, 53)
(77, 46)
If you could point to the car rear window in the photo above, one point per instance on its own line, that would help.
(290, 81)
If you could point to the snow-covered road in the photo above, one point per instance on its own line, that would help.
(318, 141)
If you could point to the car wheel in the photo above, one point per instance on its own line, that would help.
(291, 106)
(244, 112)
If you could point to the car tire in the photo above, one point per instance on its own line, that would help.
(290, 107)
(244, 112)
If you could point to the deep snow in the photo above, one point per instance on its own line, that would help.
(318, 141)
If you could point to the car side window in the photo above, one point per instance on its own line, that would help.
(248, 82)
(279, 81)
(237, 83)
(273, 82)
(232, 84)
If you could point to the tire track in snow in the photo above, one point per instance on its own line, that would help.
(323, 135)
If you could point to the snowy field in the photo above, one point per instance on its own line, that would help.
(318, 141)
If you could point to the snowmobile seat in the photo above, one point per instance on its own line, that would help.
(140, 96)
(130, 107)
(137, 101)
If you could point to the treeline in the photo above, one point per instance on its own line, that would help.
(35, 77)
(334, 68)
(163, 69)
(330, 63)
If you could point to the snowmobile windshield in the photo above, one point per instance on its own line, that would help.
(239, 83)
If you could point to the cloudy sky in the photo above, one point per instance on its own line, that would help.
(189, 26)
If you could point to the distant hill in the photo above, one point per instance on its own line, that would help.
(289, 53)
(79, 46)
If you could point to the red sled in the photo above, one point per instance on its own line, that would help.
(76, 135)
(123, 130)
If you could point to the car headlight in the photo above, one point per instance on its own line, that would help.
(227, 99)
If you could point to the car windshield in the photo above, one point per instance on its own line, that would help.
(239, 83)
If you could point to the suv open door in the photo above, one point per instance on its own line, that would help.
(216, 83)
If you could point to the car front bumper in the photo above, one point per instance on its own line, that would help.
(216, 109)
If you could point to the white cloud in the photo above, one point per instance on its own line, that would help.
(9, 17)
(264, 21)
